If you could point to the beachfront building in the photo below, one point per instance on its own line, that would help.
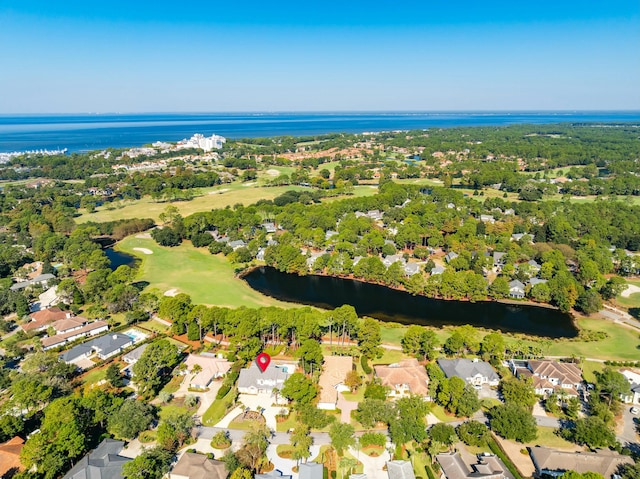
(213, 142)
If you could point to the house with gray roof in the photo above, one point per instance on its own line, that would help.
(275, 474)
(516, 289)
(393, 258)
(310, 470)
(103, 346)
(473, 371)
(269, 227)
(535, 281)
(237, 244)
(104, 462)
(411, 268)
(400, 470)
(132, 356)
(437, 269)
(498, 259)
(42, 279)
(451, 255)
(253, 381)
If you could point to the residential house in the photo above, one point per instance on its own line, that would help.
(40, 320)
(104, 462)
(310, 470)
(509, 212)
(334, 372)
(358, 476)
(198, 466)
(520, 236)
(104, 347)
(437, 269)
(633, 376)
(237, 244)
(516, 289)
(450, 256)
(411, 268)
(330, 234)
(487, 219)
(499, 260)
(204, 368)
(260, 254)
(269, 227)
(47, 299)
(275, 474)
(488, 466)
(551, 462)
(534, 266)
(42, 279)
(375, 215)
(404, 378)
(393, 258)
(549, 376)
(312, 257)
(10, 457)
(74, 328)
(473, 371)
(132, 356)
(400, 470)
(253, 381)
(535, 281)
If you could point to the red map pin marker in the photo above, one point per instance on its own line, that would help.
(263, 361)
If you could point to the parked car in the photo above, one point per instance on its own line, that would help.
(635, 410)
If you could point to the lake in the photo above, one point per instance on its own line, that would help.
(391, 305)
(117, 258)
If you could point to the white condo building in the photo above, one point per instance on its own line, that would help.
(213, 142)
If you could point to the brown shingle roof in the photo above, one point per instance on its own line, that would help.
(603, 461)
(566, 373)
(44, 317)
(407, 371)
(335, 369)
(197, 466)
(62, 338)
(10, 456)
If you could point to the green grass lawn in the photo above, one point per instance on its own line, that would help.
(289, 423)
(217, 410)
(211, 198)
(166, 411)
(389, 357)
(547, 437)
(173, 385)
(621, 343)
(208, 279)
(94, 376)
(153, 325)
(589, 368)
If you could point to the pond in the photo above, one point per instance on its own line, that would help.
(388, 304)
(118, 258)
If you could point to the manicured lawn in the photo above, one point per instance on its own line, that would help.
(589, 368)
(289, 423)
(211, 198)
(547, 437)
(439, 412)
(173, 385)
(621, 342)
(389, 357)
(392, 333)
(94, 376)
(217, 410)
(208, 279)
(152, 325)
(166, 411)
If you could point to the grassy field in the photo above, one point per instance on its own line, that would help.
(547, 437)
(217, 410)
(208, 279)
(211, 198)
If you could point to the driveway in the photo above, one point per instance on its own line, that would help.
(372, 465)
(346, 407)
(262, 402)
(283, 465)
(627, 433)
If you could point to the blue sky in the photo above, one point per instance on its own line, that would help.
(138, 56)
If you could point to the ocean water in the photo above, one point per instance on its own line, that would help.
(92, 132)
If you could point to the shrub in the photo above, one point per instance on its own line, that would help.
(373, 439)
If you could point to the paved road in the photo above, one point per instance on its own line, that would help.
(629, 435)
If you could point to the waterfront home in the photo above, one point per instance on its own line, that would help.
(499, 260)
(103, 462)
(450, 256)
(237, 244)
(554, 463)
(549, 376)
(516, 289)
(437, 269)
(393, 258)
(535, 281)
(473, 371)
(411, 268)
(334, 372)
(198, 466)
(488, 466)
(404, 378)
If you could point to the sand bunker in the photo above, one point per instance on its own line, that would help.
(250, 184)
(273, 173)
(144, 236)
(631, 289)
(143, 250)
(171, 292)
